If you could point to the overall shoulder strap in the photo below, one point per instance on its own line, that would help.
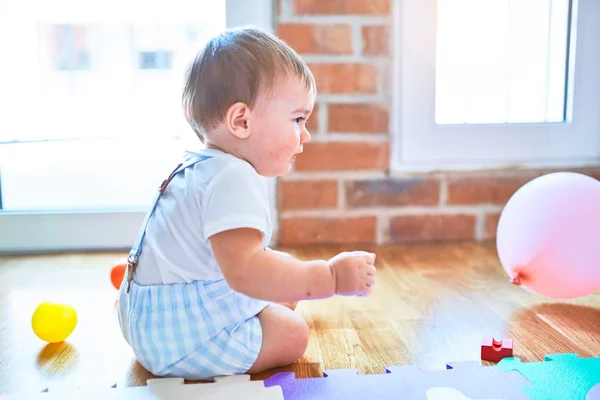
(136, 249)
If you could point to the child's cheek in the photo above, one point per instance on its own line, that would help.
(274, 155)
(277, 156)
(283, 152)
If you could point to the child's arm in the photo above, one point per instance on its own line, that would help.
(251, 269)
(279, 253)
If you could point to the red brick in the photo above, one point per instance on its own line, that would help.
(316, 39)
(359, 118)
(333, 7)
(393, 192)
(300, 231)
(376, 40)
(343, 156)
(432, 228)
(339, 78)
(484, 189)
(296, 195)
(491, 225)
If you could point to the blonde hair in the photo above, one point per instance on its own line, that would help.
(235, 66)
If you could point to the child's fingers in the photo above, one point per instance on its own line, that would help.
(365, 255)
(369, 258)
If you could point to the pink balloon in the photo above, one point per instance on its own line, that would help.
(548, 237)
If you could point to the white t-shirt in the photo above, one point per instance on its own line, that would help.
(220, 193)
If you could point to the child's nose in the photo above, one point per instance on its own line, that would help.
(305, 136)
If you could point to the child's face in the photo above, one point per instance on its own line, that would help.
(279, 127)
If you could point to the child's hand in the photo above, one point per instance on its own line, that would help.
(353, 272)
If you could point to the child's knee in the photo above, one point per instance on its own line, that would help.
(285, 338)
(303, 335)
(297, 338)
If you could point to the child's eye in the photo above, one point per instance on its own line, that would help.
(299, 119)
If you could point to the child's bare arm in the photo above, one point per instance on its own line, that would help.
(280, 253)
(250, 269)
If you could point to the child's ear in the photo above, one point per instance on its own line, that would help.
(238, 120)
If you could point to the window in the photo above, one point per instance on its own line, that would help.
(512, 71)
(496, 83)
(160, 59)
(69, 47)
(91, 119)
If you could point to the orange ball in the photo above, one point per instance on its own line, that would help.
(117, 274)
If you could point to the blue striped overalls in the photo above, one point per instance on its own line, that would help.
(195, 330)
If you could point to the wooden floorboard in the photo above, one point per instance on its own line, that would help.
(431, 304)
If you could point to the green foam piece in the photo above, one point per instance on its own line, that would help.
(559, 376)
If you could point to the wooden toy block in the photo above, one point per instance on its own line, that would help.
(496, 350)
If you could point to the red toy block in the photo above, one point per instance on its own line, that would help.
(494, 350)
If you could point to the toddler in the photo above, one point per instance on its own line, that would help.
(203, 295)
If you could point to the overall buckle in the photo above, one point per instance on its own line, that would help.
(131, 264)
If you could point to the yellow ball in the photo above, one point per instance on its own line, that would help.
(52, 322)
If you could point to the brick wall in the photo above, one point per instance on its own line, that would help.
(340, 190)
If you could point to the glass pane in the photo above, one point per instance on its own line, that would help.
(104, 174)
(106, 81)
(95, 118)
(501, 61)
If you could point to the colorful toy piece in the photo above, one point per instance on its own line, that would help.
(594, 393)
(547, 235)
(559, 376)
(234, 387)
(448, 393)
(52, 322)
(404, 382)
(495, 350)
(117, 273)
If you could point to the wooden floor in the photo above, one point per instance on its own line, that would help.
(430, 305)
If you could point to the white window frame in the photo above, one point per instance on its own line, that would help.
(419, 144)
(92, 230)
